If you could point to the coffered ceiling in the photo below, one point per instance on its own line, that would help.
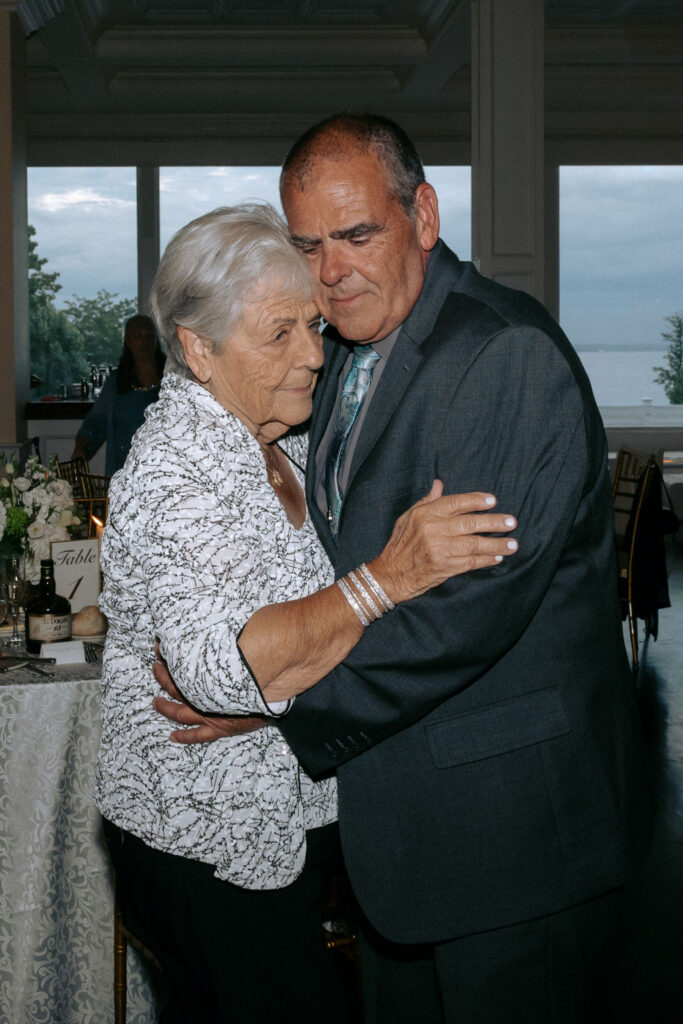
(186, 76)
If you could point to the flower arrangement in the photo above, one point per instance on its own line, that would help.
(36, 508)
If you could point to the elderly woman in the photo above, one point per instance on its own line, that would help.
(223, 848)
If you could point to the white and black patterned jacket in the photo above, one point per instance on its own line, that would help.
(196, 541)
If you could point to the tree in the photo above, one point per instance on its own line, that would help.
(42, 287)
(672, 378)
(99, 322)
(57, 355)
(66, 342)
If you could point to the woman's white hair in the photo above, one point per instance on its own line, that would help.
(216, 264)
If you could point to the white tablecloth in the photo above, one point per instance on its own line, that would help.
(56, 895)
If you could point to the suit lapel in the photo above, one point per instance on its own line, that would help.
(443, 272)
(396, 377)
(323, 404)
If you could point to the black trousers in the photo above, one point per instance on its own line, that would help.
(554, 970)
(230, 954)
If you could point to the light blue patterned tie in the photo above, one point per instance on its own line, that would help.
(353, 392)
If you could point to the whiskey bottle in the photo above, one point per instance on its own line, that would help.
(48, 616)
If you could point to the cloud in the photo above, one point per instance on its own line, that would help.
(86, 198)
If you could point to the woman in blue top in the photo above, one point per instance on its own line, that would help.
(120, 408)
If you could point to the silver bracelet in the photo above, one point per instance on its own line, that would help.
(381, 596)
(353, 601)
(366, 597)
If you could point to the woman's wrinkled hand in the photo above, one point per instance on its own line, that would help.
(442, 536)
(204, 728)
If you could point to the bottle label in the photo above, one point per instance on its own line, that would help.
(49, 628)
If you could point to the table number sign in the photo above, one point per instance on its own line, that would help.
(77, 571)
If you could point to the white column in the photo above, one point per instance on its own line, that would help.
(507, 142)
(148, 232)
(14, 345)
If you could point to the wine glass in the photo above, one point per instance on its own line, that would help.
(13, 584)
(4, 603)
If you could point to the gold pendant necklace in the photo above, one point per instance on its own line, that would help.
(275, 477)
(273, 473)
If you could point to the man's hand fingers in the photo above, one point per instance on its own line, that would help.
(200, 734)
(181, 713)
(163, 677)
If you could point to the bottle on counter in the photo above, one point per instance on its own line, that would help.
(84, 388)
(48, 616)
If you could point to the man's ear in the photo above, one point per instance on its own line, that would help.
(196, 353)
(426, 216)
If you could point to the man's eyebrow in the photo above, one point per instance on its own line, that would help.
(303, 240)
(357, 231)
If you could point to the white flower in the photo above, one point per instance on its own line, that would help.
(10, 469)
(56, 533)
(58, 487)
(21, 483)
(4, 483)
(35, 530)
(65, 517)
(38, 551)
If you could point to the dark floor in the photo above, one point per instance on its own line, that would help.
(652, 977)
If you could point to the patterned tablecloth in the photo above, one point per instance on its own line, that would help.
(56, 894)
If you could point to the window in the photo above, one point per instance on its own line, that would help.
(187, 192)
(621, 252)
(453, 187)
(85, 222)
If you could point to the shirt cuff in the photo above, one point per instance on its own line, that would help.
(278, 707)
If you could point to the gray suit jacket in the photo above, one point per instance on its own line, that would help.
(485, 736)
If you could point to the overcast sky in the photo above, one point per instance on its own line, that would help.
(621, 234)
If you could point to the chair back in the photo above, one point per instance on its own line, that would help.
(94, 500)
(95, 485)
(72, 471)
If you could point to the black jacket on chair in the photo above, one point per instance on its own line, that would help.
(485, 735)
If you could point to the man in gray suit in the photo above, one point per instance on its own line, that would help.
(485, 736)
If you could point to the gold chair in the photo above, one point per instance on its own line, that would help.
(72, 470)
(94, 500)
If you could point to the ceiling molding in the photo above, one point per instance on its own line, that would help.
(248, 43)
(170, 75)
(33, 14)
(448, 51)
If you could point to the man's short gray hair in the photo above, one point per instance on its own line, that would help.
(216, 264)
(342, 135)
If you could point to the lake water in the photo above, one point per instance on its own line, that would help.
(624, 377)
